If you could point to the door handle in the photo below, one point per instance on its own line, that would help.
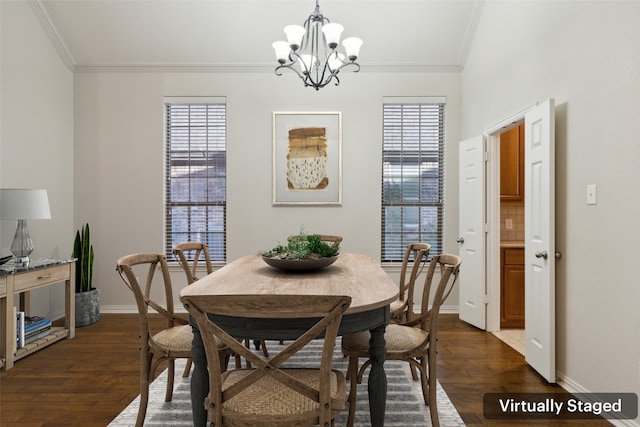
(542, 254)
(460, 240)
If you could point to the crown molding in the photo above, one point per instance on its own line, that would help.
(470, 33)
(40, 10)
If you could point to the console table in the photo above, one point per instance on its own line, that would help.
(20, 280)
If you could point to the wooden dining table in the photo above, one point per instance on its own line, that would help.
(356, 275)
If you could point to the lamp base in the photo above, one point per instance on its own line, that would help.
(22, 246)
(21, 261)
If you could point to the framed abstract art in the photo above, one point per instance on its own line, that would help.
(307, 158)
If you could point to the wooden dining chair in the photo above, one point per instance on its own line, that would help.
(157, 346)
(189, 255)
(271, 394)
(417, 254)
(414, 341)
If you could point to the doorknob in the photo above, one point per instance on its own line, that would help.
(542, 254)
(460, 240)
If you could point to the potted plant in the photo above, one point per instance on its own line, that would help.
(87, 297)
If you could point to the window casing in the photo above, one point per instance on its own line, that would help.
(195, 174)
(412, 175)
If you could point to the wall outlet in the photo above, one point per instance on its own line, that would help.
(508, 224)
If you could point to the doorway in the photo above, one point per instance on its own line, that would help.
(479, 236)
(512, 220)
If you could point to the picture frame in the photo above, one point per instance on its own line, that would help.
(307, 158)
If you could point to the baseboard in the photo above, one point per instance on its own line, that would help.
(124, 309)
(573, 387)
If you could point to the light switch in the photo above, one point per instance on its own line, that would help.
(591, 194)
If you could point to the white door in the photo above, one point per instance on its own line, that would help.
(540, 239)
(472, 237)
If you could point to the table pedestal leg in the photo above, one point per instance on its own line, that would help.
(377, 377)
(199, 378)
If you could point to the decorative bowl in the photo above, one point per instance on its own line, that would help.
(300, 264)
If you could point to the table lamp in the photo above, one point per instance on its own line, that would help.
(23, 204)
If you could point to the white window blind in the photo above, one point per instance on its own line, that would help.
(196, 169)
(412, 175)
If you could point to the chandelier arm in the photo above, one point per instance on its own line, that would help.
(288, 66)
(346, 64)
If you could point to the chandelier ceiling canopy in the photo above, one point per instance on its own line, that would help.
(311, 50)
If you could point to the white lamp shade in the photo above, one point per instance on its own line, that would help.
(352, 47)
(309, 61)
(294, 35)
(282, 51)
(332, 32)
(18, 203)
(336, 61)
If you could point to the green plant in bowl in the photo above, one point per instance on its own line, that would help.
(306, 246)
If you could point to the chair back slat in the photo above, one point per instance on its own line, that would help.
(448, 267)
(129, 267)
(415, 255)
(189, 264)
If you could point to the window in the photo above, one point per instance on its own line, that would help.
(412, 175)
(196, 169)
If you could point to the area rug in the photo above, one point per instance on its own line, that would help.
(405, 406)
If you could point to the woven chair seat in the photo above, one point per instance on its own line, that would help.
(281, 401)
(398, 338)
(175, 339)
(397, 305)
(179, 338)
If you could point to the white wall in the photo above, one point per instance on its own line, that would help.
(120, 147)
(36, 138)
(585, 55)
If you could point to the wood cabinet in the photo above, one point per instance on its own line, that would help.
(512, 288)
(512, 164)
(20, 281)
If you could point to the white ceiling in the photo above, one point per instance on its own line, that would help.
(236, 35)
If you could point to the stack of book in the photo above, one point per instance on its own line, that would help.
(31, 328)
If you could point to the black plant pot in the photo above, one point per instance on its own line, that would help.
(87, 307)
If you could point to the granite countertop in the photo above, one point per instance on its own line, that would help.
(511, 244)
(11, 268)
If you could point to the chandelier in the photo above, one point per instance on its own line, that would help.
(311, 50)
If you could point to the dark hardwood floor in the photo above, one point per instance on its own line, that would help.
(87, 381)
